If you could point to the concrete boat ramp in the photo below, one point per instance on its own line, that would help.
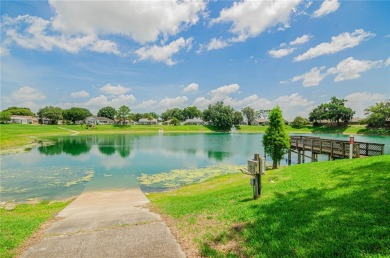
(107, 224)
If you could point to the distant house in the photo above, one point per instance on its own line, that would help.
(356, 121)
(194, 121)
(97, 120)
(126, 122)
(24, 119)
(261, 121)
(144, 121)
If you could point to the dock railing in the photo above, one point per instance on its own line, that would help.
(334, 148)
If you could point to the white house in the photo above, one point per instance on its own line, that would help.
(24, 119)
(194, 121)
(97, 120)
(144, 121)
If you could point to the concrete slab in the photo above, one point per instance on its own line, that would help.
(107, 224)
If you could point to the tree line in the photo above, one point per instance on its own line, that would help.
(222, 116)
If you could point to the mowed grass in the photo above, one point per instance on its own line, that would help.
(16, 135)
(326, 209)
(18, 225)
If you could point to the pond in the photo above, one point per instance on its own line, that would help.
(82, 163)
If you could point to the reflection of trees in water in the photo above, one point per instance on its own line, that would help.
(107, 150)
(123, 145)
(50, 150)
(218, 155)
(72, 146)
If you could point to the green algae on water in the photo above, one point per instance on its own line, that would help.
(180, 177)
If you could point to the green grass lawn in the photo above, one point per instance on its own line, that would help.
(17, 225)
(326, 209)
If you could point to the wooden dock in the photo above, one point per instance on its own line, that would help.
(334, 149)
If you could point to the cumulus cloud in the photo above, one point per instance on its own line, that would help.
(214, 44)
(280, 52)
(285, 51)
(79, 94)
(387, 62)
(327, 7)
(225, 90)
(312, 77)
(143, 21)
(116, 101)
(35, 33)
(350, 68)
(146, 105)
(179, 101)
(347, 69)
(359, 101)
(27, 93)
(163, 53)
(300, 40)
(251, 18)
(192, 87)
(114, 90)
(337, 43)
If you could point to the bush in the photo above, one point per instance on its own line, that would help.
(299, 122)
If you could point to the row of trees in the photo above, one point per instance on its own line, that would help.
(220, 115)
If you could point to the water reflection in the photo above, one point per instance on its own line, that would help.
(77, 163)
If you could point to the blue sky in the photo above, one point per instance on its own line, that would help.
(155, 55)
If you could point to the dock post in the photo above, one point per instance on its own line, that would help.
(289, 157)
(299, 156)
(303, 156)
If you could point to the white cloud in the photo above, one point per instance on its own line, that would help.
(338, 43)
(202, 102)
(225, 90)
(179, 101)
(35, 33)
(192, 87)
(280, 52)
(300, 40)
(143, 21)
(27, 93)
(251, 18)
(4, 51)
(113, 90)
(327, 7)
(291, 101)
(350, 68)
(117, 101)
(359, 101)
(312, 77)
(164, 53)
(146, 105)
(79, 94)
(387, 62)
(213, 45)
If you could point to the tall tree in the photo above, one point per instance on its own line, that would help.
(263, 113)
(52, 113)
(173, 113)
(237, 117)
(20, 111)
(191, 112)
(276, 140)
(108, 112)
(5, 117)
(75, 114)
(378, 114)
(123, 113)
(334, 111)
(219, 115)
(249, 114)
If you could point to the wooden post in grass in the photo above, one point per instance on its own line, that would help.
(257, 177)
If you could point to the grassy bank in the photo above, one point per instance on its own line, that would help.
(18, 224)
(326, 209)
(17, 135)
